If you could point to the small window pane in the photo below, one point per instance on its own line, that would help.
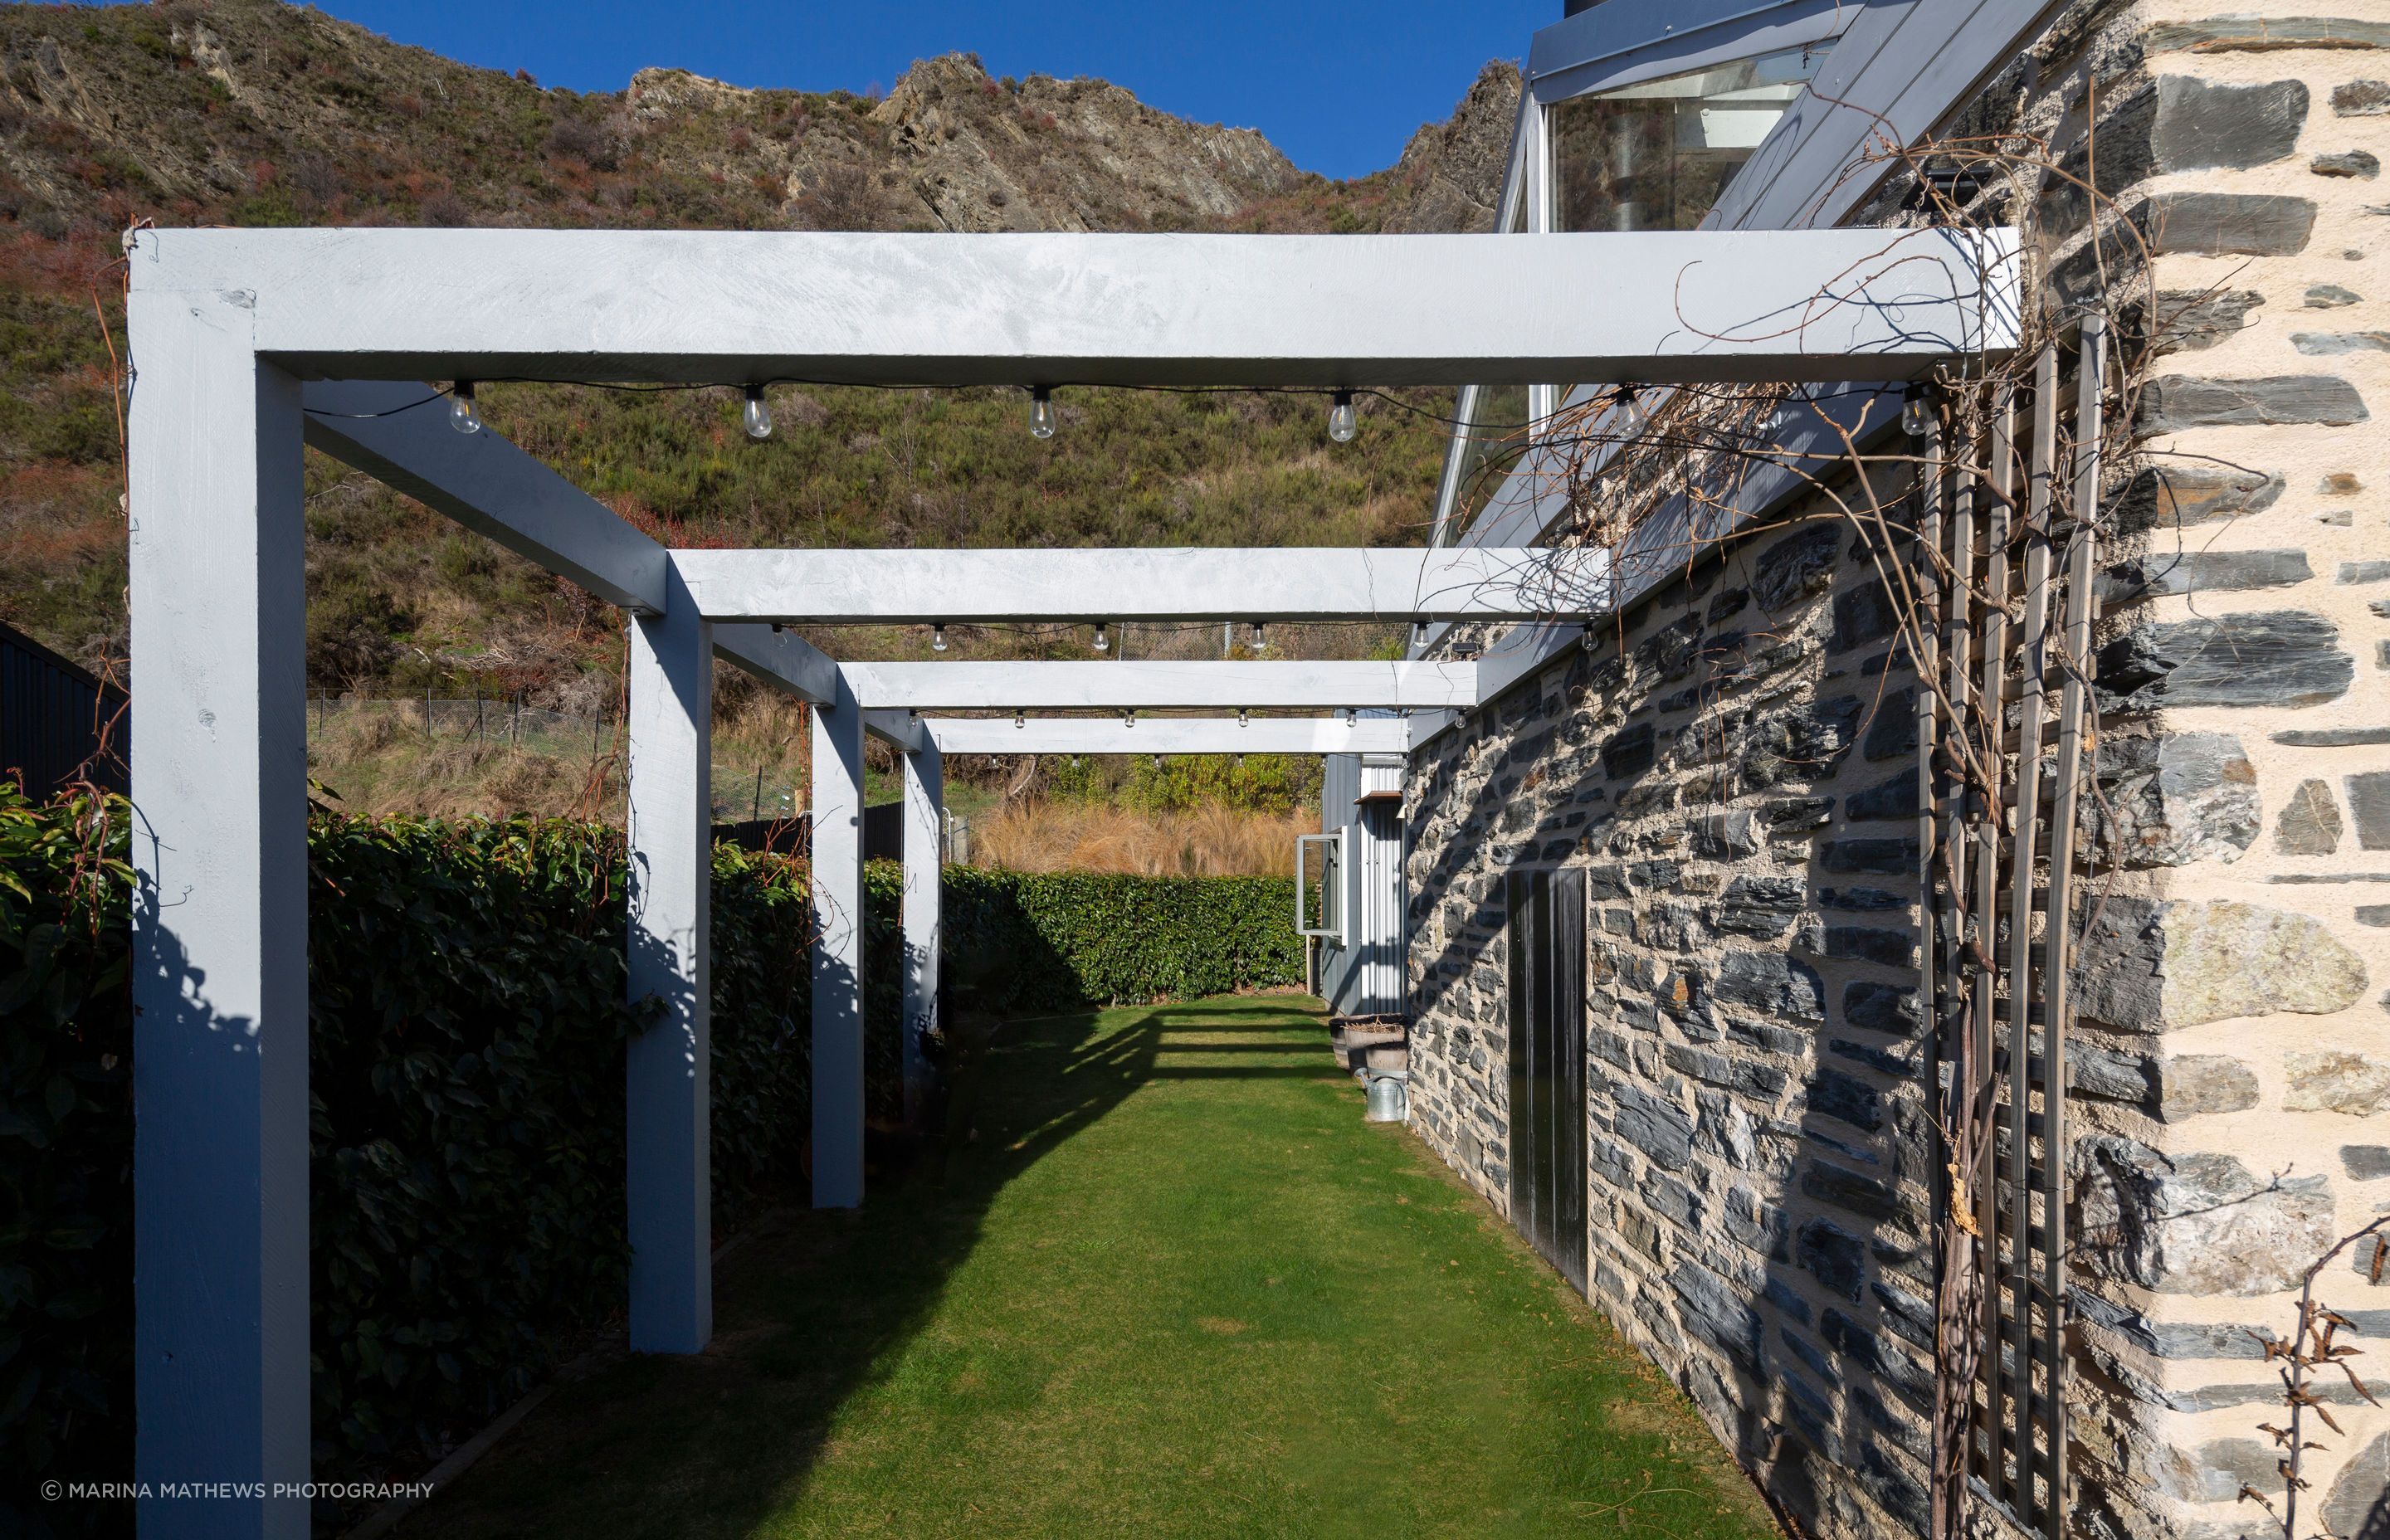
(1658, 156)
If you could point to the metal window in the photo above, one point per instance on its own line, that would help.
(1319, 898)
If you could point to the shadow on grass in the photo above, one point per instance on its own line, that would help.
(817, 1306)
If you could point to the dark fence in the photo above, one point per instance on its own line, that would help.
(52, 718)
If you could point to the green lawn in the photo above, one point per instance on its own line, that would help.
(1176, 1286)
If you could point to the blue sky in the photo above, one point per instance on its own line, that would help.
(1339, 88)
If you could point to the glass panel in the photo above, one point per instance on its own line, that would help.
(1657, 156)
(1493, 417)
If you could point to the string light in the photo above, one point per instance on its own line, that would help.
(1632, 417)
(1157, 762)
(1260, 640)
(1019, 719)
(759, 417)
(1916, 415)
(1343, 423)
(1351, 716)
(1244, 717)
(1041, 412)
(938, 637)
(1103, 640)
(462, 415)
(1128, 719)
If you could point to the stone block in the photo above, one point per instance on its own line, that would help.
(2331, 296)
(2334, 1079)
(2281, 658)
(2309, 822)
(1894, 799)
(1865, 900)
(1795, 568)
(2176, 798)
(1862, 614)
(1833, 1255)
(2351, 162)
(1873, 1007)
(2331, 344)
(1760, 906)
(1894, 1063)
(2162, 573)
(2362, 98)
(2094, 1071)
(2242, 33)
(1910, 1317)
(2196, 1223)
(2369, 801)
(2172, 403)
(1800, 744)
(2204, 124)
(1672, 1200)
(2148, 965)
(1859, 943)
(1793, 814)
(2179, 497)
(2192, 1084)
(1891, 725)
(1631, 752)
(2358, 1501)
(2216, 224)
(1713, 1311)
(2188, 320)
(1863, 1196)
(2365, 1162)
(1811, 1356)
(1869, 857)
(1662, 1130)
(2215, 1471)
(1725, 836)
(1846, 1098)
(1772, 982)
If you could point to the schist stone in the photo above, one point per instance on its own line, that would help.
(2369, 798)
(2173, 402)
(2175, 496)
(2354, 162)
(2189, 1222)
(2247, 224)
(2310, 824)
(2176, 798)
(2201, 125)
(2160, 575)
(2283, 657)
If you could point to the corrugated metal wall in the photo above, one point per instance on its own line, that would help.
(49, 720)
(1365, 975)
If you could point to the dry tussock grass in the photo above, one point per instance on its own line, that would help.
(1210, 841)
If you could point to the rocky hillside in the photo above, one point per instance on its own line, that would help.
(253, 112)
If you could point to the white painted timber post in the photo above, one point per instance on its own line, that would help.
(925, 808)
(838, 951)
(219, 917)
(667, 1114)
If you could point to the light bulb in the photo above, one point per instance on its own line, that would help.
(1103, 641)
(1019, 719)
(937, 638)
(1244, 717)
(1351, 716)
(1157, 762)
(1041, 413)
(1628, 407)
(1128, 719)
(1420, 632)
(461, 414)
(1916, 415)
(1343, 423)
(1260, 640)
(759, 417)
(1240, 761)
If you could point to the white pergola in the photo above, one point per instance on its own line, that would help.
(247, 343)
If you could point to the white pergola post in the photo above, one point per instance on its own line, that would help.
(667, 1124)
(219, 919)
(837, 864)
(925, 807)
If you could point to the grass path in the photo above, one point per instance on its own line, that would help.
(1175, 1287)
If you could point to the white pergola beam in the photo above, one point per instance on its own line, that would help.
(728, 307)
(921, 921)
(838, 961)
(668, 1068)
(398, 433)
(1163, 684)
(1145, 584)
(1170, 734)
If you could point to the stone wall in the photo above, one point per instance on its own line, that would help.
(1733, 762)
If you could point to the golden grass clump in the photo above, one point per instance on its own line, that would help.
(1206, 841)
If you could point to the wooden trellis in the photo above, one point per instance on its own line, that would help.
(2002, 632)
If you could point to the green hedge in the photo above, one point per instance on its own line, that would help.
(1083, 938)
(467, 1029)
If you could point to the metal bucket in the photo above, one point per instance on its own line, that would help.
(1390, 1101)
